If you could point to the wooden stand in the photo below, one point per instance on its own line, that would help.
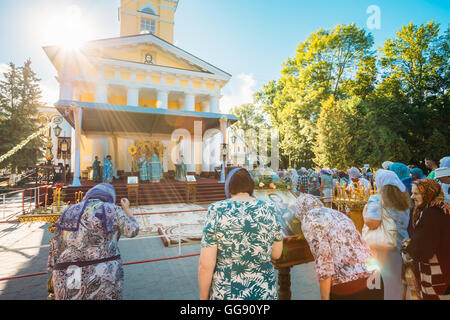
(191, 192)
(133, 189)
(295, 251)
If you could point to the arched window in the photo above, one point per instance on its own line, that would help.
(148, 8)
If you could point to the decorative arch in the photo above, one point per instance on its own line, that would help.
(149, 9)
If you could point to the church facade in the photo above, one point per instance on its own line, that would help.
(138, 87)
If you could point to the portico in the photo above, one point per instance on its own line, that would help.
(140, 86)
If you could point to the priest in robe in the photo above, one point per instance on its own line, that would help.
(96, 170)
(143, 168)
(155, 169)
(107, 170)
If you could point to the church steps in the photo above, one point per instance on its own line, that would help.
(159, 193)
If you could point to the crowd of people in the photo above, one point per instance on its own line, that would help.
(408, 217)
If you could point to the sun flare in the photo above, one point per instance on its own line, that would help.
(67, 29)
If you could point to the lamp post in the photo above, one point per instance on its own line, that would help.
(223, 127)
(224, 161)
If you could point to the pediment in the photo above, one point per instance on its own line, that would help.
(134, 48)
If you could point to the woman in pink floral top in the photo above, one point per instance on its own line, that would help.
(342, 258)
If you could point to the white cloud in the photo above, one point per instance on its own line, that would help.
(238, 91)
(49, 92)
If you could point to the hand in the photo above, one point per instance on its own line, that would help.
(405, 243)
(125, 204)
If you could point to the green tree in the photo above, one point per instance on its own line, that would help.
(19, 100)
(416, 74)
(350, 133)
(326, 64)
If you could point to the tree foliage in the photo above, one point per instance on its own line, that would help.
(19, 100)
(337, 104)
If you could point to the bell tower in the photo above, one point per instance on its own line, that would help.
(148, 16)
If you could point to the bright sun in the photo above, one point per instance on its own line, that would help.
(66, 29)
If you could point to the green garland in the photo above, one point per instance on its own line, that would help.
(24, 142)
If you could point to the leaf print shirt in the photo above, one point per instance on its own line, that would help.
(244, 233)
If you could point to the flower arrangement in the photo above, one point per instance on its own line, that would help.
(267, 182)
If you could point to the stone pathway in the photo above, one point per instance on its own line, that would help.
(163, 280)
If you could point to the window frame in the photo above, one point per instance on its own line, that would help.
(147, 23)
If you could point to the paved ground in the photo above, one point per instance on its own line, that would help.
(164, 280)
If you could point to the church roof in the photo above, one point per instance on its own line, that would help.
(104, 117)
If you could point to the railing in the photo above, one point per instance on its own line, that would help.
(18, 202)
(179, 256)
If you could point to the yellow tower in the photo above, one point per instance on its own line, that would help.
(148, 16)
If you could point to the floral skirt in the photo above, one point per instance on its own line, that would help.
(103, 281)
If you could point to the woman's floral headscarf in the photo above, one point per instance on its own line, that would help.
(71, 216)
(304, 203)
(432, 195)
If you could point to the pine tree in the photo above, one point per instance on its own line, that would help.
(19, 102)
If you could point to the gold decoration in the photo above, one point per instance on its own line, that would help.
(132, 150)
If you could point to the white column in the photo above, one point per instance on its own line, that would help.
(204, 105)
(133, 97)
(78, 115)
(101, 93)
(214, 104)
(105, 142)
(190, 102)
(163, 97)
(66, 91)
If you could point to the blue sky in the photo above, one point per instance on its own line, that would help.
(248, 38)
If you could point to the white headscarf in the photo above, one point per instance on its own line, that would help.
(354, 173)
(386, 165)
(387, 177)
(445, 162)
(304, 203)
(293, 175)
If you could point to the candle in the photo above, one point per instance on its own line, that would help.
(46, 198)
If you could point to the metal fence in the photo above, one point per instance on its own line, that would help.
(17, 202)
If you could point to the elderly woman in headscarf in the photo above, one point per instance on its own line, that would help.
(343, 261)
(403, 173)
(240, 237)
(444, 178)
(444, 162)
(303, 183)
(356, 178)
(417, 174)
(430, 243)
(293, 179)
(385, 165)
(392, 198)
(326, 186)
(84, 256)
(314, 184)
